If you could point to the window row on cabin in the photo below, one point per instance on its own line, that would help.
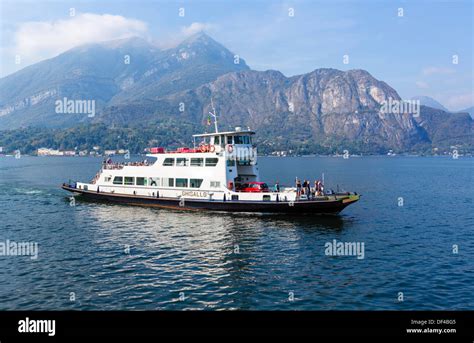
(193, 162)
(219, 140)
(163, 182)
(199, 162)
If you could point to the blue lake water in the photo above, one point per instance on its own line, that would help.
(180, 260)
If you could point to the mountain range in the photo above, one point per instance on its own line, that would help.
(134, 83)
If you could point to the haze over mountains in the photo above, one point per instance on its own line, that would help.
(430, 102)
(325, 106)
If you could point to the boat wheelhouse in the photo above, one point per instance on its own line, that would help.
(215, 174)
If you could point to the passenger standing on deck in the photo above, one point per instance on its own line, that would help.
(308, 189)
(298, 188)
(277, 187)
(318, 187)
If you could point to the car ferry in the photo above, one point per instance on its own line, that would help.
(219, 173)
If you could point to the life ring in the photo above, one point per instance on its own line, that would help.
(203, 148)
(230, 148)
(212, 148)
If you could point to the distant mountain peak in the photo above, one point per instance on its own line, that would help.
(202, 40)
(203, 48)
(430, 102)
(201, 37)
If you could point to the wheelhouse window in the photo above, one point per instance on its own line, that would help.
(118, 180)
(181, 182)
(129, 180)
(229, 139)
(211, 162)
(141, 181)
(195, 183)
(242, 139)
(197, 162)
(216, 140)
(168, 162)
(167, 182)
(107, 178)
(154, 181)
(181, 162)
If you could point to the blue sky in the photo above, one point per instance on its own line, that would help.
(413, 53)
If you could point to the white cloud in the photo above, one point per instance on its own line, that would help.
(428, 71)
(195, 28)
(38, 40)
(172, 39)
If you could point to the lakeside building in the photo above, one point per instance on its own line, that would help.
(49, 152)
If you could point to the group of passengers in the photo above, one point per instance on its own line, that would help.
(304, 189)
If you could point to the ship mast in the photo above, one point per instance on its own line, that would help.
(214, 115)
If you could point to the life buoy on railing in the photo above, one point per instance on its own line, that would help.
(203, 148)
(212, 148)
(230, 148)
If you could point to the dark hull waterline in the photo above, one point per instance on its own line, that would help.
(329, 206)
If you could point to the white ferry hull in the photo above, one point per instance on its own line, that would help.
(331, 204)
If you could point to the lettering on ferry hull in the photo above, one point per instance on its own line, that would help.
(195, 194)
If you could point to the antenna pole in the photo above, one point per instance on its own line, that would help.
(213, 113)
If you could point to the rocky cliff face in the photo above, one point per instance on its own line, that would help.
(323, 106)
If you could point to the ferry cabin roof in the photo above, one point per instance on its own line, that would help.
(222, 138)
